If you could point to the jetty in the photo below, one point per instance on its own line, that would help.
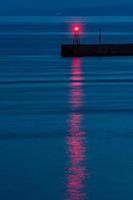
(80, 50)
(76, 49)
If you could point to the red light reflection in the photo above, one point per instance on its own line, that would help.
(76, 83)
(76, 171)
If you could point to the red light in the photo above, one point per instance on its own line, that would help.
(76, 28)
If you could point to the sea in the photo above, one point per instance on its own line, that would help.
(66, 124)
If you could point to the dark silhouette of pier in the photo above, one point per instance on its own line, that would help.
(76, 49)
(69, 50)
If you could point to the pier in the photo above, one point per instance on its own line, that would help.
(76, 49)
(80, 50)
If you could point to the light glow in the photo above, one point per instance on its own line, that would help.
(76, 29)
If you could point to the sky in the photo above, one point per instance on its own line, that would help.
(66, 7)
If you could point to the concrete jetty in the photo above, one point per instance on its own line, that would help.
(80, 50)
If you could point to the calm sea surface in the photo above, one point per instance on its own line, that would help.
(66, 125)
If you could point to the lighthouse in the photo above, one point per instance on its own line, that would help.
(76, 35)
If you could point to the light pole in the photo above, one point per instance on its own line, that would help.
(100, 35)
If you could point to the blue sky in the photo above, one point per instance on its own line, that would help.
(38, 7)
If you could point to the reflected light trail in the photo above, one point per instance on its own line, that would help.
(76, 172)
(76, 84)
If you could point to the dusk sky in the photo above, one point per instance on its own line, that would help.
(74, 7)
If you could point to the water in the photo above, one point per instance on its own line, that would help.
(65, 124)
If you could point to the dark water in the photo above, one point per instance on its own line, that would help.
(66, 129)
